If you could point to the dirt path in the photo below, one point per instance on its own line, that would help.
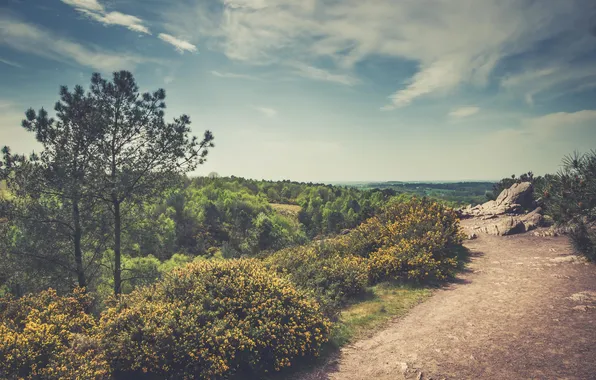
(525, 308)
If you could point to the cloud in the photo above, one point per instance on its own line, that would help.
(560, 122)
(116, 18)
(89, 5)
(464, 111)
(10, 63)
(180, 45)
(552, 81)
(94, 10)
(453, 43)
(315, 73)
(232, 75)
(35, 40)
(269, 112)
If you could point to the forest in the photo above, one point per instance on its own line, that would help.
(116, 263)
(454, 193)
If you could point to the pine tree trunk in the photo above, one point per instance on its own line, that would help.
(77, 235)
(117, 252)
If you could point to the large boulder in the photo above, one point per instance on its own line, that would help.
(511, 201)
(506, 226)
(518, 194)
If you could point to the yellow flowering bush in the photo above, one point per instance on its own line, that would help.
(331, 276)
(46, 336)
(210, 319)
(415, 239)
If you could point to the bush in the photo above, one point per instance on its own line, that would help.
(210, 319)
(331, 276)
(571, 201)
(412, 240)
(45, 336)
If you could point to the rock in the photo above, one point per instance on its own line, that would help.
(506, 226)
(533, 220)
(472, 236)
(518, 194)
(344, 232)
(511, 201)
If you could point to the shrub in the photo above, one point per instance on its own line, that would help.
(46, 336)
(332, 277)
(209, 319)
(413, 240)
(571, 201)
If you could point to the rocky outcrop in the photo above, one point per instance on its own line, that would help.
(505, 215)
(510, 225)
(505, 226)
(533, 220)
(511, 201)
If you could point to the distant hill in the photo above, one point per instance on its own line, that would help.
(456, 192)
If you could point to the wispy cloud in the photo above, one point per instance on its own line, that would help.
(560, 122)
(233, 75)
(315, 73)
(269, 112)
(454, 43)
(35, 40)
(464, 112)
(10, 63)
(180, 45)
(556, 79)
(90, 5)
(96, 11)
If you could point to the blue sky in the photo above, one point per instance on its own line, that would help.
(314, 90)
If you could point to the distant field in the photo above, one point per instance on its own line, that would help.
(287, 210)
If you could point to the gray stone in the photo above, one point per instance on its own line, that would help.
(506, 226)
(510, 201)
(533, 220)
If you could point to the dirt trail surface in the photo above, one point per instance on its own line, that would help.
(524, 309)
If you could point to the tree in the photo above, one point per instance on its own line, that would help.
(139, 153)
(49, 190)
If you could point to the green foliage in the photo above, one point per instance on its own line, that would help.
(414, 240)
(454, 194)
(45, 336)
(333, 278)
(571, 200)
(210, 319)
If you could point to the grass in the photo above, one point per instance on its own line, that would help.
(286, 210)
(382, 303)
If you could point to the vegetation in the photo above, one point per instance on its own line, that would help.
(106, 149)
(46, 336)
(454, 194)
(571, 200)
(210, 319)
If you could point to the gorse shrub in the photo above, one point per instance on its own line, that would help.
(210, 319)
(45, 336)
(410, 240)
(331, 276)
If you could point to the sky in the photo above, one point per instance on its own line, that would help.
(328, 90)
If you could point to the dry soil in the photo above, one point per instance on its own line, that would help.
(525, 308)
